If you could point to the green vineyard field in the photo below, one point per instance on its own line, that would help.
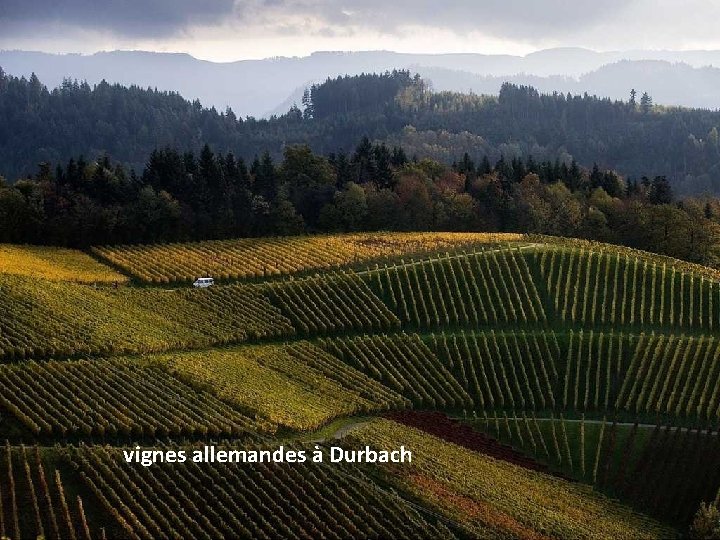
(592, 372)
(484, 287)
(247, 501)
(296, 386)
(663, 470)
(268, 257)
(110, 398)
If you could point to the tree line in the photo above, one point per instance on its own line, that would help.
(633, 137)
(181, 196)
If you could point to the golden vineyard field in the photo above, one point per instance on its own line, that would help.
(494, 498)
(56, 264)
(510, 364)
(266, 257)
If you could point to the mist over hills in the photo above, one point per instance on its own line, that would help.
(270, 86)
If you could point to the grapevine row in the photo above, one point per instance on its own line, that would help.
(595, 366)
(337, 303)
(297, 385)
(666, 471)
(56, 264)
(500, 496)
(504, 370)
(267, 257)
(113, 397)
(33, 501)
(404, 364)
(48, 319)
(612, 287)
(245, 501)
(489, 286)
(673, 375)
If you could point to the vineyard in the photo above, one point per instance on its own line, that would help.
(296, 386)
(662, 469)
(34, 500)
(405, 364)
(111, 398)
(63, 319)
(546, 387)
(503, 369)
(455, 432)
(489, 286)
(607, 287)
(487, 494)
(247, 501)
(333, 304)
(56, 264)
(268, 257)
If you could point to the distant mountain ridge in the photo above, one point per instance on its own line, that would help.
(673, 84)
(262, 87)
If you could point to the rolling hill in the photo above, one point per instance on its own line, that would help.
(582, 378)
(129, 124)
(258, 87)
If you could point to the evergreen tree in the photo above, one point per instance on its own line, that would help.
(596, 177)
(307, 104)
(646, 103)
(383, 173)
(399, 158)
(660, 191)
(363, 162)
(265, 181)
(343, 170)
(484, 167)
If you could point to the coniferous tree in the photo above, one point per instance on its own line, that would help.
(265, 181)
(646, 103)
(660, 191)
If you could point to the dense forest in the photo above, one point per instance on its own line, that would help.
(186, 196)
(633, 137)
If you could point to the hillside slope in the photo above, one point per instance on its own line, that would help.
(596, 363)
(256, 87)
(128, 124)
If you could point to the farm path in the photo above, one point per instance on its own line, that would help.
(340, 433)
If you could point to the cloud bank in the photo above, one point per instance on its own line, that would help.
(364, 24)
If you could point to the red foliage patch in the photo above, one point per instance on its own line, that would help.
(450, 430)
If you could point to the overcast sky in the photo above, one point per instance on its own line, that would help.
(224, 30)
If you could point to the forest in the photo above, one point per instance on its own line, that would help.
(181, 196)
(634, 137)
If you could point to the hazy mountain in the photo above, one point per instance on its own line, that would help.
(668, 83)
(260, 87)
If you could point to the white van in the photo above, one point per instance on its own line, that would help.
(204, 282)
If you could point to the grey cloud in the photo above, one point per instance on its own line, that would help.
(506, 18)
(526, 20)
(135, 18)
(328, 32)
